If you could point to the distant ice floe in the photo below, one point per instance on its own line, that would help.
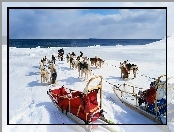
(97, 45)
(38, 47)
(94, 46)
(118, 45)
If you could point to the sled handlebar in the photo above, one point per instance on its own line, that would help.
(99, 86)
(96, 87)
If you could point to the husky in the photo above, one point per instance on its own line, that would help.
(130, 67)
(73, 62)
(98, 62)
(84, 68)
(124, 71)
(44, 76)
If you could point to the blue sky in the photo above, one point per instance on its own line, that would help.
(101, 11)
(82, 24)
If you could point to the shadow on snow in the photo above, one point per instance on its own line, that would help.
(56, 116)
(33, 73)
(70, 80)
(36, 83)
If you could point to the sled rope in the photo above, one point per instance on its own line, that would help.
(117, 87)
(122, 84)
(146, 76)
(137, 73)
(111, 65)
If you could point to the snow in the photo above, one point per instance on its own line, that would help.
(29, 103)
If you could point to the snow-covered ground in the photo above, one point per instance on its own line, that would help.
(29, 103)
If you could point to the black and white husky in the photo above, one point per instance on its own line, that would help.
(84, 68)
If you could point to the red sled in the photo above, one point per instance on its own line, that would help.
(82, 107)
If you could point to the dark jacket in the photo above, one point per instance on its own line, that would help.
(61, 51)
(81, 54)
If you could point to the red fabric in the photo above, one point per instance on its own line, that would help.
(63, 103)
(93, 99)
(76, 93)
(87, 102)
(60, 91)
(82, 115)
(87, 105)
(150, 95)
(90, 101)
(75, 103)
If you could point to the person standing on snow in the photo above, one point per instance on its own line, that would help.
(81, 53)
(61, 53)
(53, 59)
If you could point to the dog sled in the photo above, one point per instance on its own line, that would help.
(82, 107)
(150, 102)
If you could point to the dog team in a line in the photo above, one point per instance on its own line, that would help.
(82, 63)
